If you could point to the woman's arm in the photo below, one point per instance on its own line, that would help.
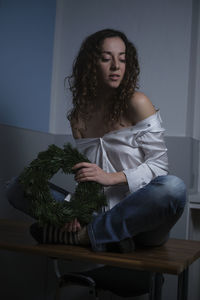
(152, 144)
(92, 172)
(155, 161)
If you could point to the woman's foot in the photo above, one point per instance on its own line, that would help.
(49, 234)
(124, 246)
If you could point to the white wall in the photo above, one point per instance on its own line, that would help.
(160, 29)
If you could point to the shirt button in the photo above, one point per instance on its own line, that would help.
(148, 125)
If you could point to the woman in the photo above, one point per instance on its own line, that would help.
(120, 132)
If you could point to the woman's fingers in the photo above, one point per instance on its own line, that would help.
(87, 172)
(84, 174)
(81, 165)
(72, 226)
(77, 225)
(66, 227)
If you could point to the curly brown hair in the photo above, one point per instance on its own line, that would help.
(83, 81)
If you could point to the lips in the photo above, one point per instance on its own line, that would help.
(114, 76)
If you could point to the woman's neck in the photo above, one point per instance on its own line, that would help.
(104, 96)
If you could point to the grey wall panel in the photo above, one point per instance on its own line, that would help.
(183, 153)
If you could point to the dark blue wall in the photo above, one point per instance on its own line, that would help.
(26, 54)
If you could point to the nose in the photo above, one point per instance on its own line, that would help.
(115, 64)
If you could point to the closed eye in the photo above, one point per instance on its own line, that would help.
(108, 59)
(105, 59)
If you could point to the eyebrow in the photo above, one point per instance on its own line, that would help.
(108, 52)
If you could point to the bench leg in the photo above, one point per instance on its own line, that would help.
(182, 293)
(156, 290)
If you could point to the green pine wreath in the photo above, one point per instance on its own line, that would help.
(87, 198)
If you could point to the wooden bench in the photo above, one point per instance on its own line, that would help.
(174, 257)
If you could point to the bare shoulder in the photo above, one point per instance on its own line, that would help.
(140, 107)
(76, 128)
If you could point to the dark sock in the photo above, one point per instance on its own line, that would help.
(49, 234)
(124, 246)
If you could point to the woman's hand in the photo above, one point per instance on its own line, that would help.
(92, 172)
(72, 226)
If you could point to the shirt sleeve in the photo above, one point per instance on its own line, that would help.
(155, 163)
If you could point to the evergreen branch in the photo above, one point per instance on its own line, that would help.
(88, 196)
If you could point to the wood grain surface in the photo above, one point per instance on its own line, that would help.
(171, 258)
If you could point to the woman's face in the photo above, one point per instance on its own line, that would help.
(112, 63)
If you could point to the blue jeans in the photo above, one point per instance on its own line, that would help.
(14, 193)
(147, 215)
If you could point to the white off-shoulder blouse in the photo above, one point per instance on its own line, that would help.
(139, 151)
